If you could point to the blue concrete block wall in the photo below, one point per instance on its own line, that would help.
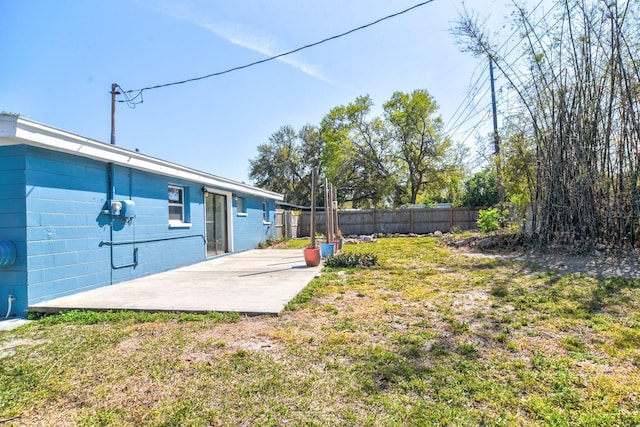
(249, 230)
(69, 233)
(13, 279)
(55, 212)
(65, 195)
(174, 247)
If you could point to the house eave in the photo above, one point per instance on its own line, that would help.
(16, 130)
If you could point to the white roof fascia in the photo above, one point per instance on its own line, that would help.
(17, 130)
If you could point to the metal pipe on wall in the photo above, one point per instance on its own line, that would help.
(110, 196)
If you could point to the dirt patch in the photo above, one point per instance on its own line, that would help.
(251, 334)
(7, 348)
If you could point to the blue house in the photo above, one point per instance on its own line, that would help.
(79, 214)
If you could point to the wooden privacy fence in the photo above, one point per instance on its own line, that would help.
(287, 224)
(291, 224)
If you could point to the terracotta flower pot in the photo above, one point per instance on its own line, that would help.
(312, 256)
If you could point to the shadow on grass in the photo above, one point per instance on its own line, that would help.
(608, 292)
(410, 365)
(570, 295)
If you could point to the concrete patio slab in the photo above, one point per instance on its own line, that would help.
(9, 324)
(260, 281)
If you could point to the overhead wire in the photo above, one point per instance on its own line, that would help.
(510, 64)
(460, 117)
(471, 109)
(132, 100)
(473, 128)
(471, 101)
(471, 104)
(472, 92)
(463, 130)
(458, 123)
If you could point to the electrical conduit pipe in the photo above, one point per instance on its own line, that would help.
(10, 300)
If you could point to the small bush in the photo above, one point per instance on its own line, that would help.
(489, 220)
(351, 260)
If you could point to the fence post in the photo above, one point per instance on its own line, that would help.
(287, 225)
(451, 221)
(374, 220)
(411, 221)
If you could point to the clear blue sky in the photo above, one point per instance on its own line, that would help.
(59, 59)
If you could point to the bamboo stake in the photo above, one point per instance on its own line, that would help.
(314, 177)
(326, 211)
(335, 208)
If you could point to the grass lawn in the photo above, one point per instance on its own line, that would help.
(428, 337)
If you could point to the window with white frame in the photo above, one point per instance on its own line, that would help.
(240, 207)
(265, 213)
(176, 204)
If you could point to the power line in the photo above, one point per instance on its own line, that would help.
(473, 90)
(131, 100)
(468, 101)
(468, 106)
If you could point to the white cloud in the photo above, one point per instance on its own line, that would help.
(243, 36)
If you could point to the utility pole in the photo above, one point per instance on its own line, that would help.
(496, 137)
(114, 92)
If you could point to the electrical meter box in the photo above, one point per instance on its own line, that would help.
(128, 209)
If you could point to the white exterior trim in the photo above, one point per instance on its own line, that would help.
(17, 130)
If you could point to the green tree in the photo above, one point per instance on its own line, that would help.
(312, 147)
(481, 190)
(373, 161)
(281, 167)
(420, 145)
(359, 156)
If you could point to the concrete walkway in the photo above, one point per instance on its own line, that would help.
(260, 281)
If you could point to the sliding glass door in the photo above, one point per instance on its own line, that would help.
(216, 223)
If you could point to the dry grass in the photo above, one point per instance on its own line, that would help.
(430, 336)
